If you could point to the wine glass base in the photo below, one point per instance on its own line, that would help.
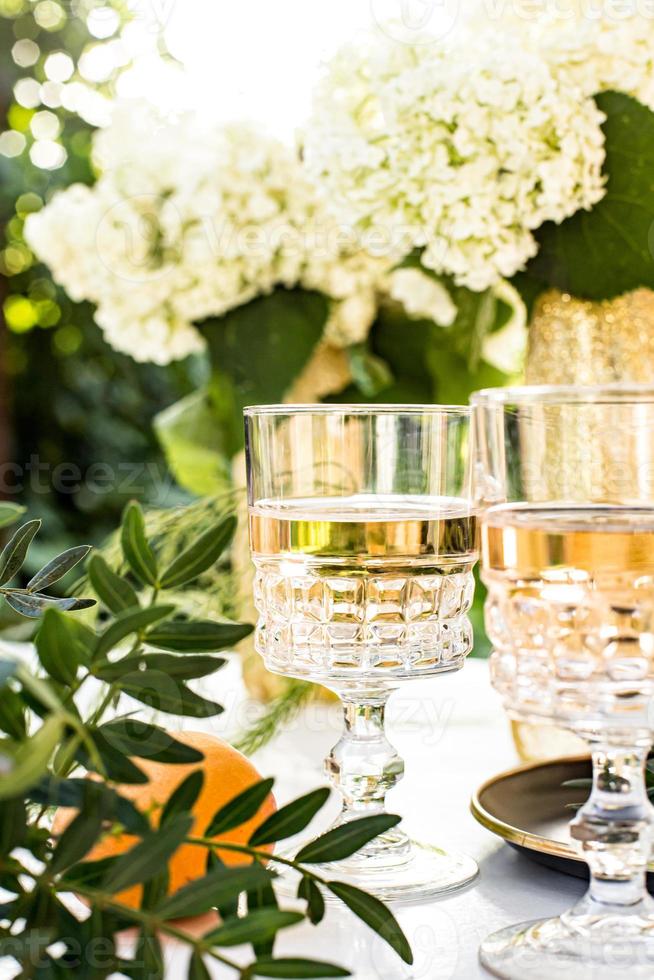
(425, 872)
(614, 947)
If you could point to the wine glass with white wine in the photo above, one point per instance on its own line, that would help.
(567, 474)
(363, 535)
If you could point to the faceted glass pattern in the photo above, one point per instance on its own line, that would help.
(574, 648)
(313, 620)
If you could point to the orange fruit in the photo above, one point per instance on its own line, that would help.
(226, 774)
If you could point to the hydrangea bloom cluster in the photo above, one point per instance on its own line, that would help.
(422, 296)
(461, 151)
(187, 222)
(593, 46)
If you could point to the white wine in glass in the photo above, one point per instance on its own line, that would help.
(364, 539)
(376, 583)
(568, 559)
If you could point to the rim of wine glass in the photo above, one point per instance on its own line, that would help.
(333, 408)
(565, 394)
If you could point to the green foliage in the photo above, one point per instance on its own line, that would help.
(290, 819)
(15, 551)
(198, 557)
(258, 350)
(183, 636)
(601, 253)
(195, 446)
(287, 967)
(243, 807)
(29, 601)
(429, 363)
(94, 447)
(375, 914)
(40, 769)
(9, 513)
(137, 551)
(310, 892)
(343, 841)
(114, 591)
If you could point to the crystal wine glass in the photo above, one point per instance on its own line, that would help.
(567, 474)
(364, 540)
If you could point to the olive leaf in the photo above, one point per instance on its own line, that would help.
(184, 797)
(240, 809)
(293, 968)
(290, 819)
(144, 861)
(343, 841)
(60, 646)
(74, 793)
(30, 759)
(80, 835)
(375, 914)
(214, 888)
(137, 551)
(109, 761)
(12, 712)
(262, 897)
(148, 963)
(183, 668)
(114, 591)
(57, 568)
(32, 604)
(200, 555)
(310, 892)
(135, 737)
(196, 968)
(131, 621)
(89, 874)
(15, 551)
(13, 829)
(164, 693)
(206, 636)
(255, 927)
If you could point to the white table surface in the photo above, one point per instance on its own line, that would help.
(453, 735)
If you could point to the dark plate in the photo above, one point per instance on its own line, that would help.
(530, 809)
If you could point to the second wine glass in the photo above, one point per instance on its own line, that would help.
(364, 540)
(568, 558)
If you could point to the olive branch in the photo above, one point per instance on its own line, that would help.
(144, 645)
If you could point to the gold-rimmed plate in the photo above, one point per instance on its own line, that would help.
(530, 808)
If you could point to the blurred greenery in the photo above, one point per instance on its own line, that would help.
(75, 416)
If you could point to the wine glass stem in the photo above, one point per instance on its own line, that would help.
(614, 830)
(363, 765)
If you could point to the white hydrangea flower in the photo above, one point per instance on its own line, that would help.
(63, 236)
(187, 222)
(461, 151)
(422, 296)
(595, 46)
